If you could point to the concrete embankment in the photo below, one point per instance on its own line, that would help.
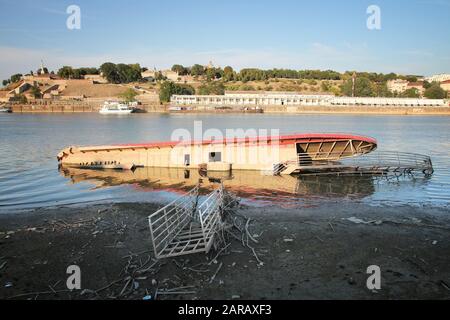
(444, 110)
(71, 108)
(81, 107)
(385, 110)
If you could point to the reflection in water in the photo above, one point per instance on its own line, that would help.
(29, 143)
(251, 185)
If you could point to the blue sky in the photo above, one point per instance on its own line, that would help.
(323, 34)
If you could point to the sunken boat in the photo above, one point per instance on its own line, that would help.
(278, 154)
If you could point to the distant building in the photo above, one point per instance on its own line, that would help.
(171, 75)
(40, 77)
(3, 96)
(255, 99)
(50, 91)
(417, 85)
(438, 78)
(445, 85)
(397, 85)
(293, 100)
(96, 78)
(151, 75)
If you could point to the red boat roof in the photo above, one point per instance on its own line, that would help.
(295, 138)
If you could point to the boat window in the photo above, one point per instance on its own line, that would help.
(215, 157)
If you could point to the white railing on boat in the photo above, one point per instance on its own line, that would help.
(374, 162)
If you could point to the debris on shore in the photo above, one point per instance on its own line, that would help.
(269, 253)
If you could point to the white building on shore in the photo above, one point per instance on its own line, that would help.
(397, 85)
(438, 78)
(252, 99)
(294, 99)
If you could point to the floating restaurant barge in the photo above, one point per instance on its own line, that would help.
(279, 154)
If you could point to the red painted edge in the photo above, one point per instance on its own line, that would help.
(281, 140)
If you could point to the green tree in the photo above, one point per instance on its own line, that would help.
(381, 90)
(197, 70)
(110, 72)
(15, 77)
(426, 84)
(169, 88)
(410, 93)
(211, 88)
(228, 74)
(128, 95)
(325, 86)
(121, 73)
(363, 88)
(21, 98)
(411, 78)
(159, 76)
(36, 92)
(214, 73)
(336, 91)
(435, 92)
(178, 68)
(128, 73)
(6, 82)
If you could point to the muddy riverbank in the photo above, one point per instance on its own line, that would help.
(319, 252)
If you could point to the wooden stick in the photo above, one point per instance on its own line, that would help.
(215, 274)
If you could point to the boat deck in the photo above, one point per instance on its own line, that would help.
(386, 162)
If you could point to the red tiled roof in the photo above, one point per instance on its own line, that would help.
(415, 84)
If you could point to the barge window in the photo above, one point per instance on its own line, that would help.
(187, 160)
(215, 157)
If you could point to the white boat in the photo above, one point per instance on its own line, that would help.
(4, 109)
(114, 107)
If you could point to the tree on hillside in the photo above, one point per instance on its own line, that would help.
(411, 93)
(159, 76)
(36, 92)
(84, 71)
(129, 95)
(15, 77)
(325, 86)
(214, 73)
(411, 78)
(228, 73)
(363, 88)
(67, 72)
(121, 73)
(178, 68)
(426, 84)
(252, 74)
(128, 73)
(197, 70)
(169, 88)
(109, 71)
(211, 88)
(381, 90)
(336, 91)
(390, 76)
(5, 82)
(435, 92)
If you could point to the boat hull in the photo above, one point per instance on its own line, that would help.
(116, 112)
(261, 153)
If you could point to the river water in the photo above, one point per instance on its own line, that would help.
(30, 178)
